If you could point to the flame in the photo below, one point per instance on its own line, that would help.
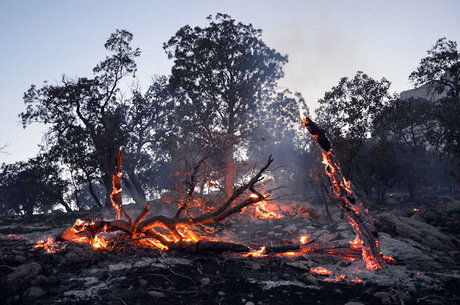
(416, 210)
(264, 211)
(303, 118)
(254, 196)
(303, 239)
(98, 242)
(356, 243)
(320, 270)
(256, 253)
(389, 259)
(357, 280)
(50, 246)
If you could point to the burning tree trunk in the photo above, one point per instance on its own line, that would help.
(356, 213)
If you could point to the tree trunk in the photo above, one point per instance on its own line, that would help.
(66, 206)
(108, 190)
(229, 171)
(137, 190)
(93, 193)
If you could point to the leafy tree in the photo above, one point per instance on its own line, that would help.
(225, 72)
(31, 186)
(149, 129)
(85, 115)
(348, 112)
(440, 72)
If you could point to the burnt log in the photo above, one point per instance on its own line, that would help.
(357, 214)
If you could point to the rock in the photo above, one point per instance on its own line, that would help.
(290, 229)
(143, 282)
(23, 273)
(156, 294)
(344, 263)
(325, 259)
(19, 259)
(385, 297)
(310, 279)
(205, 281)
(249, 303)
(102, 275)
(221, 293)
(304, 265)
(354, 303)
(342, 227)
(40, 280)
(33, 293)
(78, 253)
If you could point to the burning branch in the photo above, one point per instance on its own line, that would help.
(179, 235)
(357, 214)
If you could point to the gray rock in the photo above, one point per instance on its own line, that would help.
(156, 294)
(249, 303)
(33, 293)
(384, 296)
(310, 279)
(23, 273)
(221, 293)
(354, 303)
(40, 280)
(143, 282)
(205, 281)
(19, 259)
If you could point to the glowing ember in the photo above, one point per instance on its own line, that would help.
(50, 246)
(389, 259)
(356, 280)
(320, 270)
(303, 239)
(98, 242)
(256, 253)
(356, 243)
(416, 210)
(264, 211)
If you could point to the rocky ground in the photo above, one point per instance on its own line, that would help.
(425, 244)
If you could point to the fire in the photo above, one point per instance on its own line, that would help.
(416, 210)
(98, 242)
(50, 246)
(389, 259)
(257, 253)
(357, 280)
(264, 211)
(320, 270)
(303, 239)
(356, 243)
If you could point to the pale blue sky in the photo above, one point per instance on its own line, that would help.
(325, 40)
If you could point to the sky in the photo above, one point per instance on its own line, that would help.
(325, 40)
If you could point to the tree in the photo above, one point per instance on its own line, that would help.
(85, 115)
(348, 112)
(31, 186)
(149, 129)
(225, 71)
(440, 72)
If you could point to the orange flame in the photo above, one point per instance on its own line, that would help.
(303, 239)
(320, 270)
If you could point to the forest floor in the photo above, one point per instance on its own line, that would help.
(424, 242)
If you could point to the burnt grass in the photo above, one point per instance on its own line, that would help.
(144, 276)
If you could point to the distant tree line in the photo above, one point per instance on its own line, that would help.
(220, 110)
